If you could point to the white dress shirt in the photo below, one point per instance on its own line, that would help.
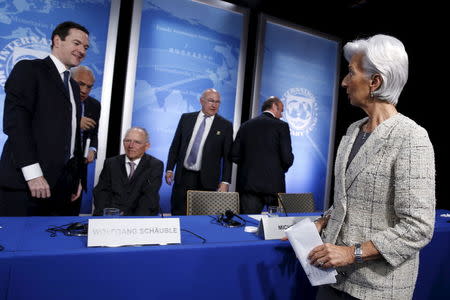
(127, 165)
(208, 122)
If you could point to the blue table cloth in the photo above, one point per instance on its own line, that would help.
(231, 264)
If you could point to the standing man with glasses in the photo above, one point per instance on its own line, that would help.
(41, 163)
(131, 181)
(90, 115)
(90, 108)
(200, 151)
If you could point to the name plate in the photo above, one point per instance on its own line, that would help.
(273, 228)
(118, 232)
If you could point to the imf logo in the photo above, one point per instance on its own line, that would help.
(300, 110)
(27, 47)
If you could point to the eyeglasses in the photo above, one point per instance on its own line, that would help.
(81, 84)
(128, 141)
(212, 101)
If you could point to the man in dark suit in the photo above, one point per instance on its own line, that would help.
(90, 115)
(262, 149)
(131, 181)
(200, 151)
(90, 108)
(40, 163)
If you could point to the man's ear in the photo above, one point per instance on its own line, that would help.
(56, 41)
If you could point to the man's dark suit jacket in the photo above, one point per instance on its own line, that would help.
(92, 109)
(216, 163)
(262, 149)
(138, 196)
(38, 121)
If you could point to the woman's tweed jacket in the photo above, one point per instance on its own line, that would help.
(387, 195)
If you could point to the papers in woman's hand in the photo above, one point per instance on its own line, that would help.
(303, 237)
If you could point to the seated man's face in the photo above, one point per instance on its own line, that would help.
(135, 144)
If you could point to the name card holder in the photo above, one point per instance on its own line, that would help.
(273, 228)
(116, 232)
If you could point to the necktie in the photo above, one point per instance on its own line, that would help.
(66, 80)
(192, 158)
(132, 165)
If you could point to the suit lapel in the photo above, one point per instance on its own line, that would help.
(190, 126)
(214, 130)
(140, 168)
(123, 170)
(55, 76)
(369, 150)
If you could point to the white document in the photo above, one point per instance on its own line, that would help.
(303, 237)
(86, 149)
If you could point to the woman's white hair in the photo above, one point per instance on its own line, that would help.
(384, 55)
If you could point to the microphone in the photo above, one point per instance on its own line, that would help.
(228, 221)
(230, 214)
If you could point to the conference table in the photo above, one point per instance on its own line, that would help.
(212, 262)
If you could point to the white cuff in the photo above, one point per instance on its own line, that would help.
(32, 171)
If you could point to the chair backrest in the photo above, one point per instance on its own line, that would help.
(296, 202)
(211, 203)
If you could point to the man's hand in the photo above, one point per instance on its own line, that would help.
(223, 187)
(77, 195)
(39, 187)
(87, 123)
(169, 177)
(90, 157)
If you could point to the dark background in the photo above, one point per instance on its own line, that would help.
(419, 25)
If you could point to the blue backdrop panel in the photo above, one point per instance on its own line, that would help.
(25, 33)
(184, 48)
(303, 73)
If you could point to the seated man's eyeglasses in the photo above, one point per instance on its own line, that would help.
(128, 141)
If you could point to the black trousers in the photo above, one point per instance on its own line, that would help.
(253, 203)
(19, 203)
(190, 180)
(326, 292)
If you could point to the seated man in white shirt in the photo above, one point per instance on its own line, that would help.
(131, 181)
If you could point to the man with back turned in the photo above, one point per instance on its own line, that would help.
(262, 149)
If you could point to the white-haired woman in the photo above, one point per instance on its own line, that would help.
(384, 198)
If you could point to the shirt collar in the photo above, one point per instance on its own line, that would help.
(202, 114)
(268, 111)
(59, 65)
(136, 161)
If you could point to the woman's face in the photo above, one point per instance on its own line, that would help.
(356, 83)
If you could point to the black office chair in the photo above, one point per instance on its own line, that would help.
(296, 202)
(211, 203)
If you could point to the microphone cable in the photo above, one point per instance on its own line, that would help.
(185, 230)
(200, 237)
(71, 229)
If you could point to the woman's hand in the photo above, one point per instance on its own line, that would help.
(330, 256)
